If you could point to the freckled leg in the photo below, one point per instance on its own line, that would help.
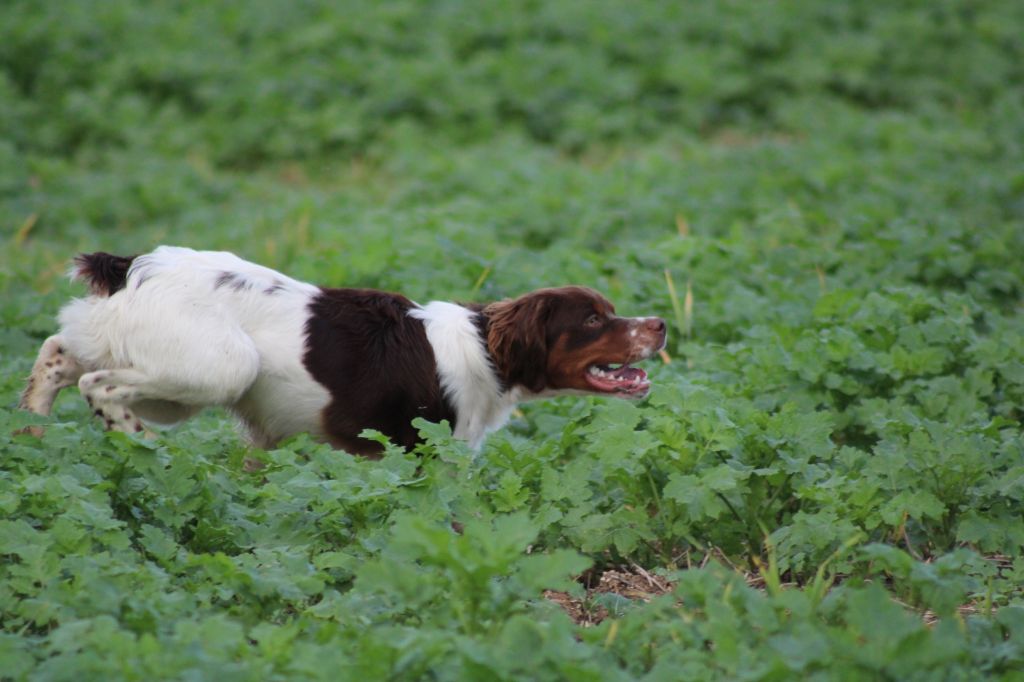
(54, 369)
(110, 393)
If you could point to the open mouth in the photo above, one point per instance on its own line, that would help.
(622, 379)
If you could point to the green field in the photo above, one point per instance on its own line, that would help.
(824, 200)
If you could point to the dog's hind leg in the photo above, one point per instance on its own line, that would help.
(54, 369)
(111, 393)
(120, 396)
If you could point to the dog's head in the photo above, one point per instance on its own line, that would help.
(570, 339)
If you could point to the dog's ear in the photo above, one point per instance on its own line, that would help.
(517, 340)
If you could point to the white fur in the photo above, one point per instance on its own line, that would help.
(197, 328)
(172, 342)
(192, 344)
(464, 368)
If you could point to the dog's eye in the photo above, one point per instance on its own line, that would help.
(593, 321)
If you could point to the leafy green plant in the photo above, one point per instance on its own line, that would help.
(823, 200)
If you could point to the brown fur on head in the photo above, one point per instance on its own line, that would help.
(566, 339)
(517, 341)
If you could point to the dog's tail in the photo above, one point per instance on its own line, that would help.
(105, 274)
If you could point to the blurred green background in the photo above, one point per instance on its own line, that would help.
(824, 199)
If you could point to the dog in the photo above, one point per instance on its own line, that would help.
(164, 334)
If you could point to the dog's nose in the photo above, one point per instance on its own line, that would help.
(655, 324)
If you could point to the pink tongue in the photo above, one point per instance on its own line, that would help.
(627, 373)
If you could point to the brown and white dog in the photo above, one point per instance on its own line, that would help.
(165, 334)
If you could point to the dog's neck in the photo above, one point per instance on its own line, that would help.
(466, 370)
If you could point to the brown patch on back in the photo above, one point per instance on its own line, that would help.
(378, 366)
